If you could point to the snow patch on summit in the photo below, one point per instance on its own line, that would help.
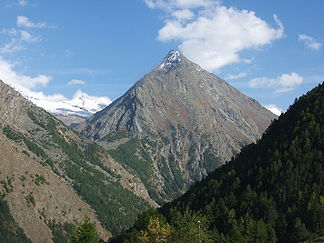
(171, 60)
(174, 56)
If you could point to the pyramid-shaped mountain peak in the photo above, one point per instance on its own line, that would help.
(188, 114)
(179, 92)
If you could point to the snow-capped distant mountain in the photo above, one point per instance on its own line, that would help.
(72, 110)
(81, 104)
(274, 109)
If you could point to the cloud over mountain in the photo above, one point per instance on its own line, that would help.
(198, 25)
(280, 84)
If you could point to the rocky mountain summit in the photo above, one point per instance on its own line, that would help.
(176, 124)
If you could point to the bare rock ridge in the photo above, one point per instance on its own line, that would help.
(51, 177)
(184, 121)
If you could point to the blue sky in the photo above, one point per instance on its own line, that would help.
(270, 50)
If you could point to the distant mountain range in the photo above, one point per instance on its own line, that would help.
(72, 111)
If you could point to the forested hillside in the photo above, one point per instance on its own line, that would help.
(273, 191)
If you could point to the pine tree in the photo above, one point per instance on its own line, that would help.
(86, 233)
(156, 231)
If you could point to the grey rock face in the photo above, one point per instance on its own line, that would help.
(193, 117)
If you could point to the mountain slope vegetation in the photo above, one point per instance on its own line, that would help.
(9, 229)
(53, 177)
(272, 191)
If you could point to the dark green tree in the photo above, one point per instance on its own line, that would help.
(86, 233)
(190, 227)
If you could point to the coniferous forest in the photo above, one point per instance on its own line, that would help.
(273, 191)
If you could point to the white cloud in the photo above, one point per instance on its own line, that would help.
(22, 3)
(213, 35)
(235, 76)
(28, 37)
(281, 84)
(172, 4)
(18, 39)
(183, 14)
(23, 21)
(11, 46)
(25, 35)
(20, 81)
(76, 82)
(15, 3)
(11, 31)
(274, 109)
(309, 42)
(81, 103)
(192, 3)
